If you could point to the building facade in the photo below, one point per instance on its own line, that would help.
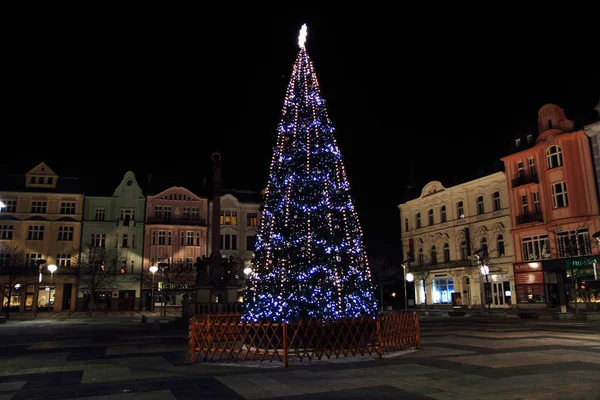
(117, 223)
(175, 237)
(40, 226)
(449, 234)
(554, 207)
(593, 131)
(240, 219)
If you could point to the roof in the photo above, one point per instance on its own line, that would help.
(16, 183)
(245, 196)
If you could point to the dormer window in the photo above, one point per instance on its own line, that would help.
(41, 180)
(529, 139)
(517, 142)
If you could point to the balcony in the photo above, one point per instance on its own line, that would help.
(529, 218)
(525, 179)
(177, 221)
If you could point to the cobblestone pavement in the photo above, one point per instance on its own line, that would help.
(460, 358)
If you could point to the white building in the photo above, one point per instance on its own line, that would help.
(450, 233)
(240, 219)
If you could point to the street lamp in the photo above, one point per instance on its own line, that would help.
(51, 268)
(247, 271)
(2, 205)
(153, 269)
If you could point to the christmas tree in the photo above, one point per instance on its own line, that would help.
(309, 260)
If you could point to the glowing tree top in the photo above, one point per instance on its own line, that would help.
(309, 260)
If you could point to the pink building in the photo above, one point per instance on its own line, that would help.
(175, 235)
(554, 211)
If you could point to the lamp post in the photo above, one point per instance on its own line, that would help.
(153, 269)
(407, 278)
(51, 268)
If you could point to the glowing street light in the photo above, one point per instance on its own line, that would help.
(2, 205)
(247, 271)
(153, 269)
(51, 268)
(410, 277)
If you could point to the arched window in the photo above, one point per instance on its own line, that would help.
(446, 253)
(418, 220)
(500, 245)
(443, 214)
(420, 255)
(554, 155)
(433, 255)
(460, 210)
(496, 199)
(463, 250)
(484, 247)
(430, 216)
(480, 207)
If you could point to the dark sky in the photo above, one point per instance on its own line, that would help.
(158, 95)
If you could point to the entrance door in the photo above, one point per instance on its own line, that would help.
(126, 300)
(66, 304)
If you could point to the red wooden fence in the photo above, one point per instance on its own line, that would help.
(225, 337)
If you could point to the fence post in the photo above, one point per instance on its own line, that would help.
(285, 345)
(379, 346)
(191, 342)
(418, 332)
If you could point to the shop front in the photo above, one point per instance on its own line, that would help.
(530, 286)
(584, 274)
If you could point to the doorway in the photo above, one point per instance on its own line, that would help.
(501, 294)
(126, 300)
(66, 304)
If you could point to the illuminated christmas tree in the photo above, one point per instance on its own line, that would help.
(309, 260)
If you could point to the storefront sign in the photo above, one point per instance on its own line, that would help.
(584, 262)
(526, 267)
(529, 278)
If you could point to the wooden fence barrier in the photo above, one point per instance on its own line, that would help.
(224, 337)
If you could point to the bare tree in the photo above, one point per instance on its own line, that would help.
(171, 277)
(14, 268)
(570, 243)
(98, 268)
(384, 273)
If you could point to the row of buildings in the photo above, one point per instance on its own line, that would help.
(524, 237)
(46, 220)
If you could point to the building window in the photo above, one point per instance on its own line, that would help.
(484, 247)
(574, 243)
(442, 290)
(517, 143)
(524, 204)
(535, 248)
(252, 219)
(65, 233)
(186, 213)
(446, 253)
(6, 232)
(443, 217)
(127, 215)
(67, 207)
(228, 218)
(433, 255)
(31, 258)
(460, 209)
(464, 254)
(182, 238)
(10, 206)
(154, 237)
(418, 220)
(195, 213)
(98, 240)
(532, 166)
(38, 207)
(250, 243)
(162, 238)
(536, 202)
(197, 238)
(190, 238)
(520, 170)
(496, 201)
(559, 195)
(36, 232)
(125, 241)
(554, 155)
(529, 139)
(100, 214)
(158, 211)
(420, 255)
(63, 260)
(5, 259)
(167, 212)
(430, 217)
(500, 245)
(189, 263)
(228, 242)
(405, 224)
(480, 206)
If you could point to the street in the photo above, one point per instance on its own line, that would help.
(460, 358)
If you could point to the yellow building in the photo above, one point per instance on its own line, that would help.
(40, 227)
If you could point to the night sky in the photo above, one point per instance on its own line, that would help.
(159, 95)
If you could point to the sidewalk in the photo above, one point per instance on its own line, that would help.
(171, 314)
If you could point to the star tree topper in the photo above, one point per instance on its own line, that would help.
(302, 37)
